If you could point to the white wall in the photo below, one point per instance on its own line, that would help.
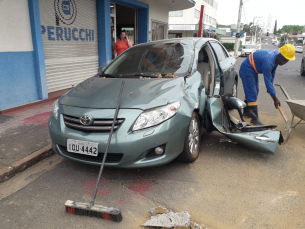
(188, 14)
(15, 28)
(158, 11)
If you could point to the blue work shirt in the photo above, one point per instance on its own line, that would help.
(265, 64)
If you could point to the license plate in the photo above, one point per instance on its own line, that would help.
(248, 53)
(82, 147)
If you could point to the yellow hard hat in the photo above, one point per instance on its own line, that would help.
(288, 51)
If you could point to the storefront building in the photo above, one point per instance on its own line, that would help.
(185, 23)
(51, 45)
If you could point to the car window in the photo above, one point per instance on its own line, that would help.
(221, 55)
(165, 58)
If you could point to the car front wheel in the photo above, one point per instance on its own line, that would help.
(302, 70)
(192, 141)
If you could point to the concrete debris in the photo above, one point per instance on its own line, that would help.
(158, 210)
(161, 218)
(195, 225)
(170, 75)
(169, 220)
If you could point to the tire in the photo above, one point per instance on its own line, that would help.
(234, 88)
(192, 141)
(302, 70)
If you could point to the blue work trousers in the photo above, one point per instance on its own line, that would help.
(250, 83)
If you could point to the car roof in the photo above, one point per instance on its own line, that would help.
(192, 41)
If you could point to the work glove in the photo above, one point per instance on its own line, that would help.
(276, 101)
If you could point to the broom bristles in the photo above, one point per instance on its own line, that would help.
(99, 211)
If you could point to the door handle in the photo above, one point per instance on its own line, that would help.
(266, 139)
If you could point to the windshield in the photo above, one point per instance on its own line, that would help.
(159, 60)
(249, 47)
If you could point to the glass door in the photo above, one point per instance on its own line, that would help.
(113, 27)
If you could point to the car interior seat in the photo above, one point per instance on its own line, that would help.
(204, 69)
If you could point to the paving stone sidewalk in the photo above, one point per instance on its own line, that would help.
(23, 132)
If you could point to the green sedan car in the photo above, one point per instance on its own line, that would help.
(174, 89)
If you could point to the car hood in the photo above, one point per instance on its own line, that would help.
(142, 94)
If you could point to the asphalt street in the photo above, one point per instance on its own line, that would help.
(229, 186)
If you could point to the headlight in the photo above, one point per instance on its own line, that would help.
(55, 107)
(156, 116)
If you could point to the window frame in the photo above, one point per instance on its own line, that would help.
(226, 55)
(177, 12)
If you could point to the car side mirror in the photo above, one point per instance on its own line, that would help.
(101, 68)
(235, 103)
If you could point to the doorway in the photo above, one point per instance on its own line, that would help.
(123, 18)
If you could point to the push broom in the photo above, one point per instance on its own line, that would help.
(91, 209)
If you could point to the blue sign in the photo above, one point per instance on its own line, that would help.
(209, 31)
(233, 33)
(65, 11)
(66, 8)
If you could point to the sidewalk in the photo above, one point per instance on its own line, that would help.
(232, 53)
(24, 136)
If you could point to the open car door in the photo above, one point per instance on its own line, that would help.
(264, 139)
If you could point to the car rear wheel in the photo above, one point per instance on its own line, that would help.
(192, 141)
(302, 70)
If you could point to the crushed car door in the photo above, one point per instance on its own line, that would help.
(264, 139)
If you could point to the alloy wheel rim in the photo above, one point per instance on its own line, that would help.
(193, 136)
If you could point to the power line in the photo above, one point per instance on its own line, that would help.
(244, 16)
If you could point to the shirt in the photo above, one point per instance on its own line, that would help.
(265, 64)
(120, 46)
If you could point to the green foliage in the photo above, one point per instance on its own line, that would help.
(229, 46)
(291, 29)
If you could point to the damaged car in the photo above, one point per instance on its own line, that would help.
(174, 89)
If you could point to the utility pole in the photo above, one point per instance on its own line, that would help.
(255, 29)
(238, 27)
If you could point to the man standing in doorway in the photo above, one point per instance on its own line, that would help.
(262, 62)
(122, 44)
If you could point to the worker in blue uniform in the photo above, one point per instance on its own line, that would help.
(262, 62)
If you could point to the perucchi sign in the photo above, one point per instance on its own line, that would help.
(57, 33)
(66, 12)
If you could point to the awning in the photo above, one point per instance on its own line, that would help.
(180, 4)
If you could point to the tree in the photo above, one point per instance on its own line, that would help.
(290, 29)
(275, 25)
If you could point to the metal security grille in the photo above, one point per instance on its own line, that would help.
(69, 33)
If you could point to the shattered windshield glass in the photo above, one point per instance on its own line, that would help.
(156, 61)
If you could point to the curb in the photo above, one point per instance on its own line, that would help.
(21, 165)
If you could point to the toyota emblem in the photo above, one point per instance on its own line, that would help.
(86, 120)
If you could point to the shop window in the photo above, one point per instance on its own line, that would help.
(158, 31)
(174, 35)
(196, 13)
